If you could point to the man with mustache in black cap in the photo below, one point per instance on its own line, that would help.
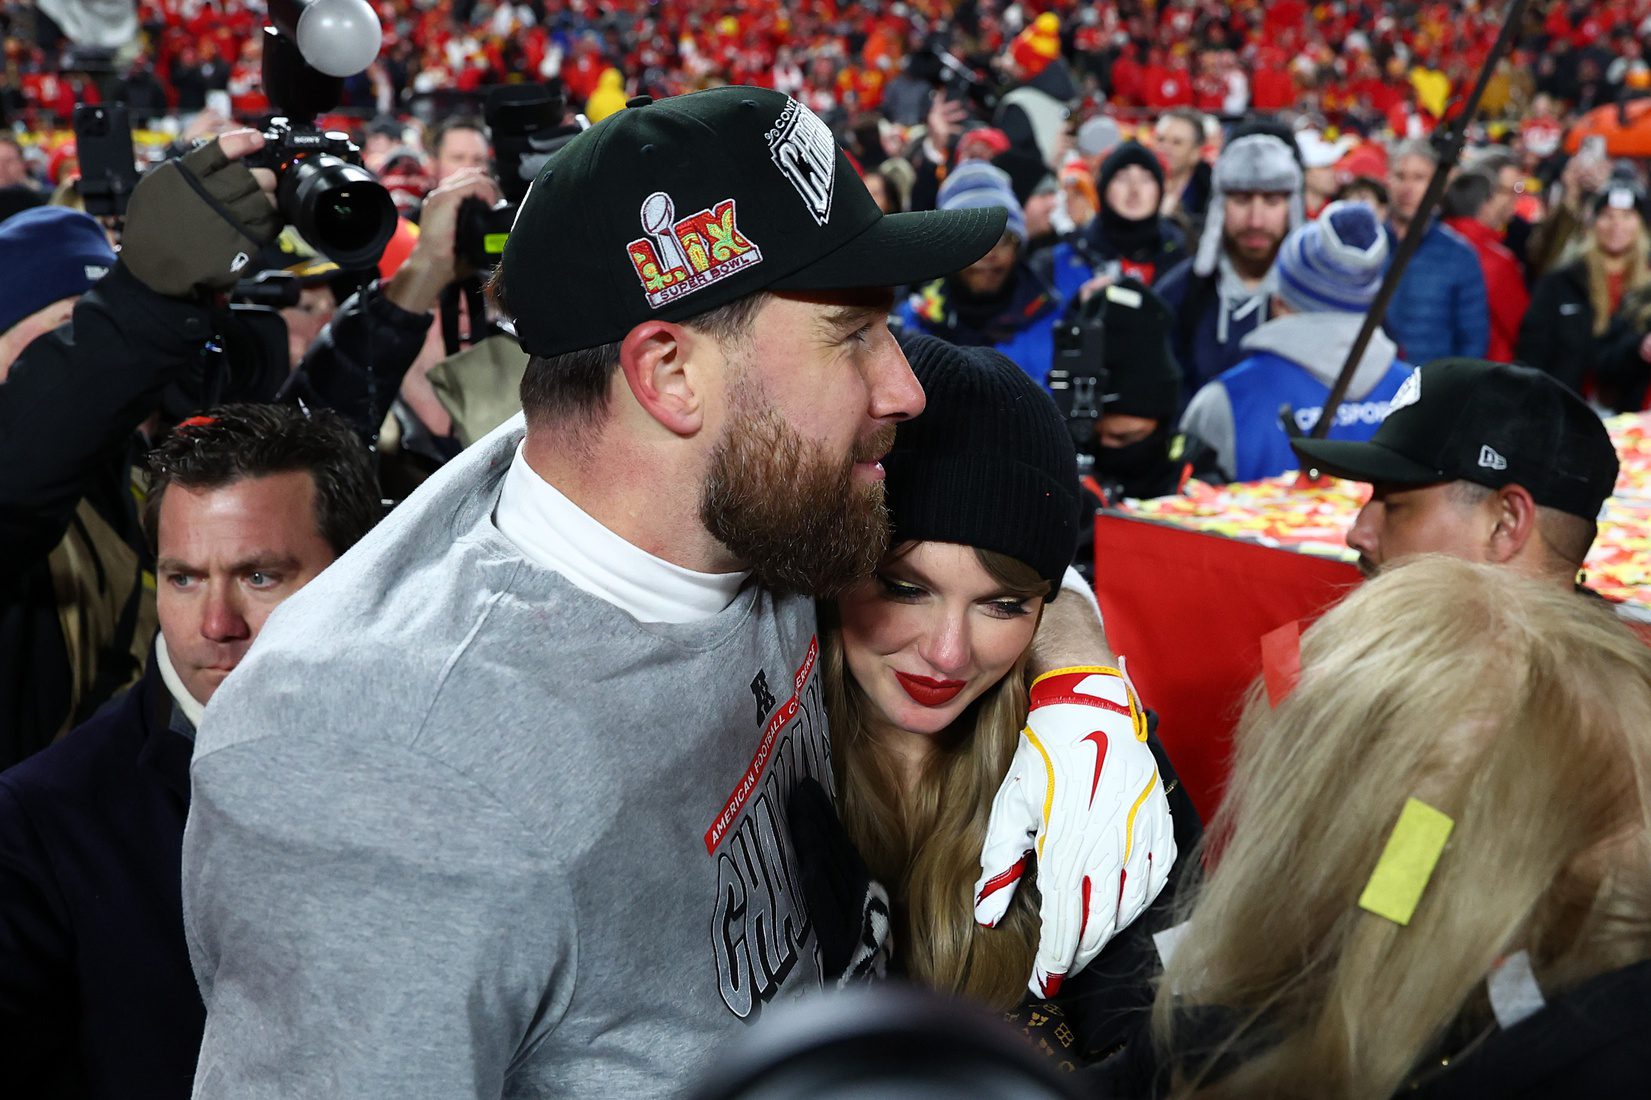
(1481, 461)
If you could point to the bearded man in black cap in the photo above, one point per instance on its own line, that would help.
(498, 805)
(1482, 461)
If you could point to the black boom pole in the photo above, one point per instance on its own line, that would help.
(1449, 141)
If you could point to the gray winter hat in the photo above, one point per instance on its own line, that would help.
(1257, 162)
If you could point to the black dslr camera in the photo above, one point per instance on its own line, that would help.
(322, 190)
(524, 123)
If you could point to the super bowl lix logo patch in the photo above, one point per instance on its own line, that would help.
(805, 154)
(678, 257)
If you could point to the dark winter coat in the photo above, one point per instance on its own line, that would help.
(69, 412)
(1558, 337)
(97, 998)
(1196, 335)
(1439, 308)
(1588, 1042)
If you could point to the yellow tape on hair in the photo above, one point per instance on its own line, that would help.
(1413, 850)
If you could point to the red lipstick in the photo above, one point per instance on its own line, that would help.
(930, 693)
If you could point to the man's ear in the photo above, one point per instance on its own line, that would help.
(654, 359)
(1515, 523)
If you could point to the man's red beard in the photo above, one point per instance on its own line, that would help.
(794, 514)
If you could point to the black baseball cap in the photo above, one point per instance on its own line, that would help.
(670, 209)
(1489, 423)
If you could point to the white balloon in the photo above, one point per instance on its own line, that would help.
(339, 37)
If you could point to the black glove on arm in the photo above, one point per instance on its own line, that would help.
(196, 223)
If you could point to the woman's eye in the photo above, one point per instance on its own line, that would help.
(898, 590)
(1008, 609)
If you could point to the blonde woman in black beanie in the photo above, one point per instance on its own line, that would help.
(927, 687)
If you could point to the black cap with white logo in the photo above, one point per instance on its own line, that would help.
(1489, 423)
(670, 209)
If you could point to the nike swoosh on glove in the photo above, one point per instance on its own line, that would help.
(1083, 792)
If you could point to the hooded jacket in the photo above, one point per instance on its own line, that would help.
(1293, 360)
(1210, 325)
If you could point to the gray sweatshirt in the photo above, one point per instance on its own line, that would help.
(461, 829)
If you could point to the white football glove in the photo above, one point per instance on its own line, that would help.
(1082, 791)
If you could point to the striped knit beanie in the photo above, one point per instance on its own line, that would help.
(974, 183)
(1333, 264)
(1036, 46)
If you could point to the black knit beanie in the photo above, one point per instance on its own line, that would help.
(1130, 152)
(988, 464)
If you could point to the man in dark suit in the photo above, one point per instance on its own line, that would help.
(247, 505)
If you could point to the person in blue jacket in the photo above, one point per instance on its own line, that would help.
(1328, 273)
(1128, 238)
(1439, 309)
(1003, 300)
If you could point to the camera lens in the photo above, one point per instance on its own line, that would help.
(339, 209)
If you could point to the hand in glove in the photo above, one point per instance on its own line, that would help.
(197, 223)
(1083, 791)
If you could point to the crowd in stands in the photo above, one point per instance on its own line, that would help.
(484, 476)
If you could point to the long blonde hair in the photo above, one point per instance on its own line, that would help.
(1638, 278)
(1519, 709)
(924, 845)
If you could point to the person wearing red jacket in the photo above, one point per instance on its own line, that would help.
(1128, 77)
(1272, 88)
(1478, 207)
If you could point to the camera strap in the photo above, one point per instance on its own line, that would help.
(470, 291)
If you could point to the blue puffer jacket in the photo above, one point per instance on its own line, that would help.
(1439, 308)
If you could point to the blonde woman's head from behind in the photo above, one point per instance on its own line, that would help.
(1521, 711)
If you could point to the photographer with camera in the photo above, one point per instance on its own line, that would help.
(72, 593)
(375, 355)
(358, 363)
